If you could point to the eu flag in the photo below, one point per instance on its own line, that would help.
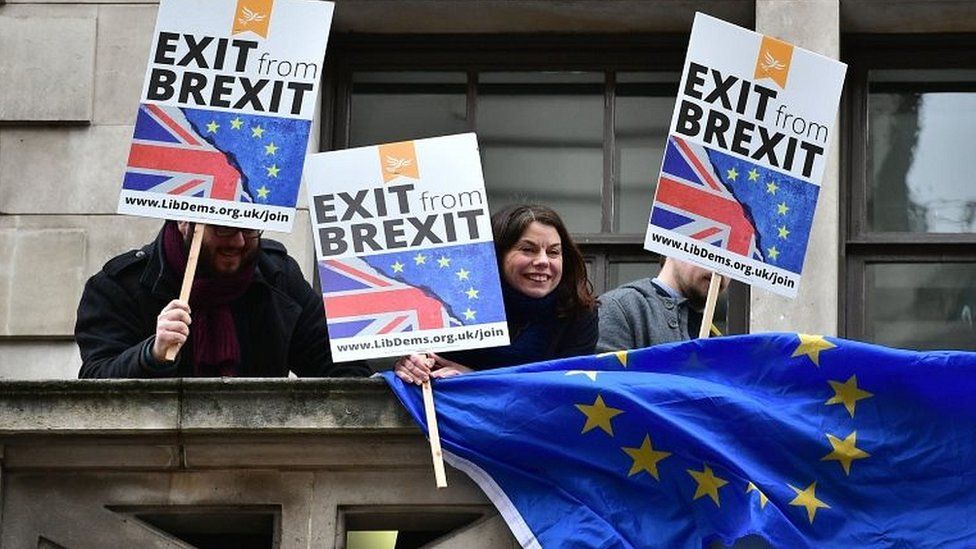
(805, 441)
(780, 207)
(269, 151)
(464, 278)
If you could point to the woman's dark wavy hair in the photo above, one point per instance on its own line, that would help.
(574, 294)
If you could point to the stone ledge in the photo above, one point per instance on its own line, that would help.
(181, 407)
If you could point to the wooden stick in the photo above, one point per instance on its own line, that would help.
(713, 287)
(191, 269)
(435, 437)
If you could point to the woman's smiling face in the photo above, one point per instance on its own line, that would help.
(534, 265)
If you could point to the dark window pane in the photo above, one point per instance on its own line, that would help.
(921, 305)
(623, 272)
(409, 77)
(541, 137)
(921, 130)
(406, 527)
(396, 106)
(642, 116)
(204, 527)
(590, 272)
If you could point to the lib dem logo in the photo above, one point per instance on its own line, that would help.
(399, 160)
(774, 60)
(253, 16)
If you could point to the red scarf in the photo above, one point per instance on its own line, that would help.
(213, 332)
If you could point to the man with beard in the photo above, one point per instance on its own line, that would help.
(660, 310)
(250, 314)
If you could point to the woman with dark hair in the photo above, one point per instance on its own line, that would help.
(549, 301)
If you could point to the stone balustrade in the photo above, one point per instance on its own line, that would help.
(166, 463)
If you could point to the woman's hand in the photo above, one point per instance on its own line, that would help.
(414, 368)
(447, 368)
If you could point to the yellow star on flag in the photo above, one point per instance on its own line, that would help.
(257, 131)
(773, 253)
(847, 393)
(236, 123)
(771, 188)
(270, 148)
(397, 267)
(212, 127)
(469, 314)
(812, 346)
(263, 192)
(645, 458)
(708, 484)
(472, 293)
(783, 232)
(420, 259)
(599, 415)
(273, 170)
(782, 208)
(731, 174)
(588, 373)
(462, 274)
(845, 451)
(621, 356)
(808, 498)
(763, 500)
(753, 174)
(443, 261)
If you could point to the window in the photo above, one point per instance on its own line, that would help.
(578, 124)
(911, 213)
(209, 526)
(405, 527)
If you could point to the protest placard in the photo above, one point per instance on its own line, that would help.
(405, 253)
(745, 155)
(226, 108)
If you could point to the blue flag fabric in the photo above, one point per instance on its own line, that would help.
(268, 151)
(780, 207)
(805, 441)
(464, 278)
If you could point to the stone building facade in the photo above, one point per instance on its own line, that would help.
(92, 456)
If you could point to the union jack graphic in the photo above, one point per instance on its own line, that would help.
(168, 156)
(360, 301)
(692, 200)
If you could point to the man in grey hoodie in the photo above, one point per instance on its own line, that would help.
(660, 310)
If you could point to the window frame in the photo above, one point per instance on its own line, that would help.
(473, 54)
(859, 246)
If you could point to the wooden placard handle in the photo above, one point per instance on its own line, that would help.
(191, 269)
(713, 287)
(435, 438)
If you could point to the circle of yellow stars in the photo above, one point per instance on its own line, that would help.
(443, 262)
(782, 209)
(270, 149)
(646, 458)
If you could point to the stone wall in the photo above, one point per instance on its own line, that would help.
(70, 79)
(108, 463)
(95, 464)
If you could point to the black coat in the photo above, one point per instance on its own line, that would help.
(564, 338)
(280, 319)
